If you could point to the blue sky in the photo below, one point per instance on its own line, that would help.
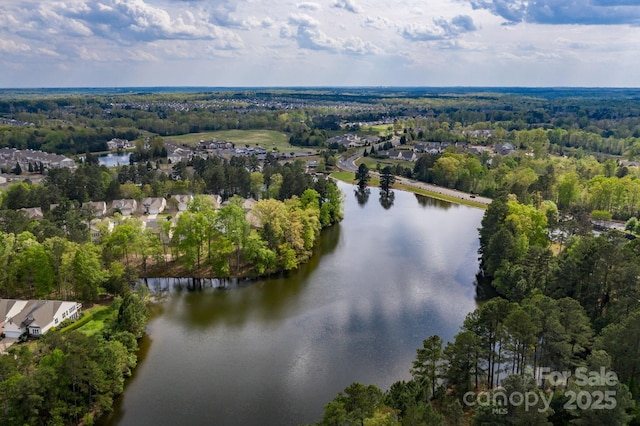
(76, 43)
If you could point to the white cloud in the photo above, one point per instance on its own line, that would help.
(10, 46)
(441, 29)
(348, 5)
(308, 6)
(560, 12)
(378, 22)
(313, 42)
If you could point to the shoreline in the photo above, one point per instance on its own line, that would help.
(404, 184)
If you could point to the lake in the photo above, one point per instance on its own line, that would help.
(113, 160)
(276, 350)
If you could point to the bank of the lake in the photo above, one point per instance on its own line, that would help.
(421, 188)
(279, 348)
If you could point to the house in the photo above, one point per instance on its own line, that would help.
(371, 140)
(126, 207)
(153, 205)
(248, 204)
(9, 308)
(408, 156)
(478, 150)
(420, 147)
(98, 208)
(217, 201)
(35, 317)
(215, 144)
(504, 148)
(116, 144)
(347, 140)
(183, 201)
(97, 227)
(628, 163)
(403, 155)
(34, 213)
(176, 154)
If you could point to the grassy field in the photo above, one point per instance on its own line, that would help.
(267, 139)
(380, 128)
(371, 162)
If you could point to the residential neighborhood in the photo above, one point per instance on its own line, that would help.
(9, 157)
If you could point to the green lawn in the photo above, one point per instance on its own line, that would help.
(267, 139)
(371, 162)
(380, 128)
(93, 320)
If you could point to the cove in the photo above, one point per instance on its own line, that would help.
(276, 350)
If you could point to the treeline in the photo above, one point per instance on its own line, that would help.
(277, 233)
(556, 313)
(68, 139)
(571, 123)
(272, 236)
(573, 184)
(57, 268)
(66, 190)
(71, 378)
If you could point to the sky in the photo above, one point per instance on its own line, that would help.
(123, 43)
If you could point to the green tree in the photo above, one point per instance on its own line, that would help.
(362, 176)
(132, 314)
(233, 224)
(257, 184)
(353, 405)
(87, 272)
(428, 364)
(387, 179)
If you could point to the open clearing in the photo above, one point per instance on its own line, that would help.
(268, 139)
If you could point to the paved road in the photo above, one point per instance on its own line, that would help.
(348, 165)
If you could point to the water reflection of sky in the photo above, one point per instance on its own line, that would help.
(281, 348)
(113, 160)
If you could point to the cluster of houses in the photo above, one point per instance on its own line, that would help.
(34, 317)
(127, 206)
(15, 123)
(350, 140)
(147, 210)
(414, 152)
(224, 149)
(119, 144)
(9, 157)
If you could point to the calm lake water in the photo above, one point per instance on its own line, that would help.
(275, 351)
(113, 160)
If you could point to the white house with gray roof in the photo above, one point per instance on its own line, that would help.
(34, 317)
(126, 207)
(182, 201)
(153, 205)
